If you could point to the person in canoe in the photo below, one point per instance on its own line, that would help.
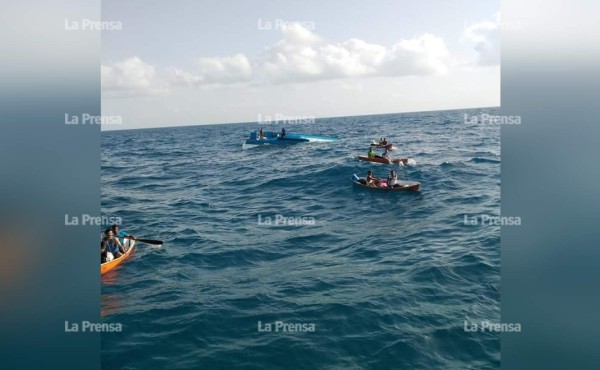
(113, 245)
(384, 141)
(385, 154)
(103, 250)
(282, 135)
(371, 153)
(392, 179)
(261, 134)
(120, 233)
(372, 180)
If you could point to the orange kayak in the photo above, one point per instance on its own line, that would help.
(129, 245)
(383, 160)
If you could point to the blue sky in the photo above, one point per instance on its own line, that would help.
(199, 62)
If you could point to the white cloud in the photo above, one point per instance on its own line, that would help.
(131, 77)
(425, 55)
(485, 37)
(299, 56)
(225, 70)
(178, 77)
(353, 58)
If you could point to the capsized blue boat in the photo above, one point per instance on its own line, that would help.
(275, 138)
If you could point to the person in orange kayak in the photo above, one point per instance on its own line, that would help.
(103, 250)
(120, 233)
(372, 180)
(113, 245)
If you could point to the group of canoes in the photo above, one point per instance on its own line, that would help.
(391, 182)
(262, 137)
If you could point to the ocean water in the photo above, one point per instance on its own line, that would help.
(387, 279)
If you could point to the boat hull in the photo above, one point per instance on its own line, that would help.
(109, 266)
(403, 185)
(383, 160)
(273, 138)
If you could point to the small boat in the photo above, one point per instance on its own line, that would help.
(273, 137)
(402, 185)
(387, 146)
(383, 160)
(129, 245)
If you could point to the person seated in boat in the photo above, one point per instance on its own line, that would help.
(372, 180)
(392, 179)
(282, 135)
(103, 250)
(113, 244)
(384, 141)
(380, 141)
(261, 134)
(371, 153)
(120, 233)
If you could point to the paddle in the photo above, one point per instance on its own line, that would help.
(147, 241)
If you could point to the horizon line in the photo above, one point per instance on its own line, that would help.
(316, 118)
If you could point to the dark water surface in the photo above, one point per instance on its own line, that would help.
(387, 279)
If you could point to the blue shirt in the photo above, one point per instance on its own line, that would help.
(112, 247)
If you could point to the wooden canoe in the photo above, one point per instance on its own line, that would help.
(129, 245)
(383, 160)
(401, 186)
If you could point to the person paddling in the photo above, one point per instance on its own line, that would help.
(371, 153)
(120, 233)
